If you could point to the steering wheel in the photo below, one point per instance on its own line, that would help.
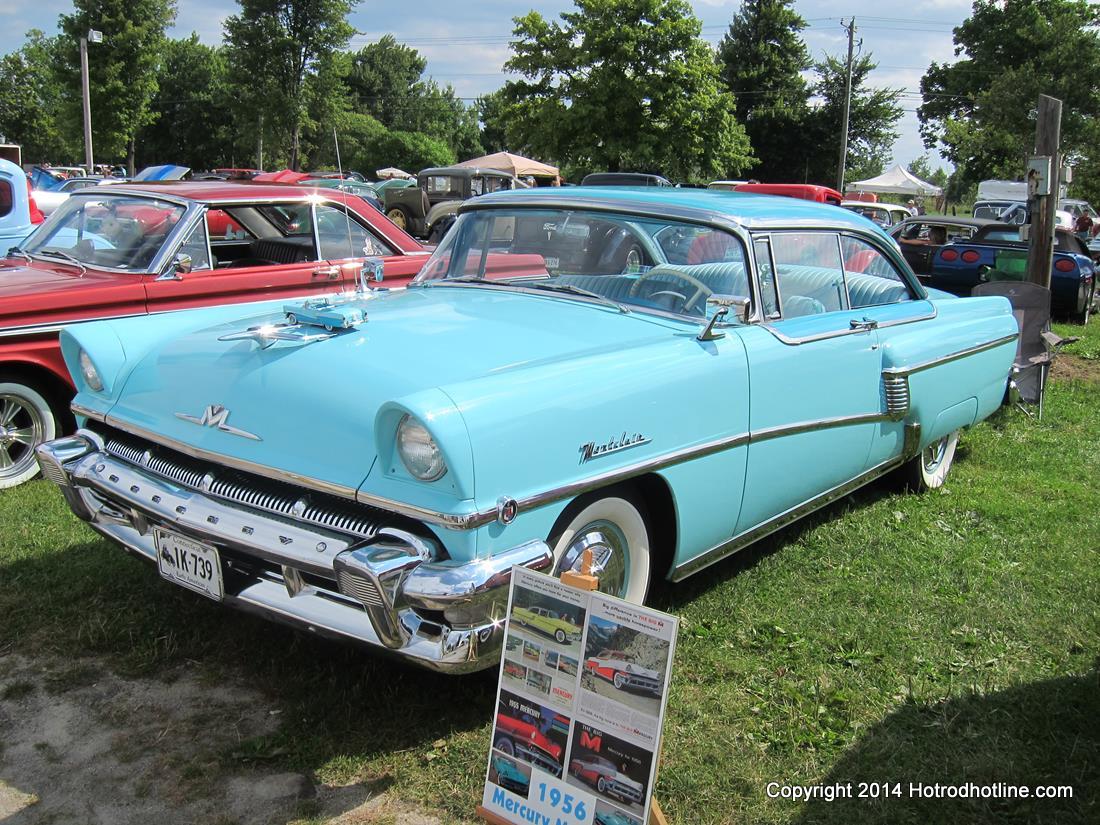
(701, 289)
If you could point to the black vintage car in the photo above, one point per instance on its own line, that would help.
(428, 209)
(921, 237)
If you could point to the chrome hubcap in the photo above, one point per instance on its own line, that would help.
(610, 556)
(20, 430)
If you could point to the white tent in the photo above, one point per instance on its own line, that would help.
(895, 181)
(513, 164)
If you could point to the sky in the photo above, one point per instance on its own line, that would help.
(466, 44)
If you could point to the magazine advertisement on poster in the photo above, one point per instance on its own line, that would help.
(583, 685)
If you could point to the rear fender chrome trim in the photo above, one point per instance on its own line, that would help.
(946, 359)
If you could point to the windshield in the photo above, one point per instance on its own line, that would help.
(628, 261)
(116, 232)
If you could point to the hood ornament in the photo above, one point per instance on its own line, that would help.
(215, 416)
(317, 319)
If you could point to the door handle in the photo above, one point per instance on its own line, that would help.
(864, 325)
(330, 272)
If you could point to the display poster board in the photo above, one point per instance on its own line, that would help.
(580, 706)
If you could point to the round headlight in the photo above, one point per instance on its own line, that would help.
(418, 450)
(91, 375)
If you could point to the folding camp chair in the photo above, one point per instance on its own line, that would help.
(1037, 345)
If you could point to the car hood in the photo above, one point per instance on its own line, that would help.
(25, 289)
(313, 405)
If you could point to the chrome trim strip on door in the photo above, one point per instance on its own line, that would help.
(954, 356)
(809, 339)
(742, 540)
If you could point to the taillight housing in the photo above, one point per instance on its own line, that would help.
(1065, 265)
(949, 254)
(971, 256)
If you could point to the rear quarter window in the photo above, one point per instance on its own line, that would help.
(6, 198)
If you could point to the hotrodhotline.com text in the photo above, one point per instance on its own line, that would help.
(914, 790)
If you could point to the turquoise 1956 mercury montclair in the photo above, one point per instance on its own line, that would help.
(663, 376)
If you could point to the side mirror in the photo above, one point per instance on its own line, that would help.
(724, 304)
(179, 267)
(983, 272)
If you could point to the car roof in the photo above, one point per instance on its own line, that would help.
(949, 220)
(465, 171)
(220, 190)
(713, 206)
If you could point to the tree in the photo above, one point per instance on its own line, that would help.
(622, 84)
(492, 112)
(192, 106)
(122, 70)
(922, 168)
(981, 108)
(31, 100)
(275, 48)
(872, 122)
(762, 58)
(386, 81)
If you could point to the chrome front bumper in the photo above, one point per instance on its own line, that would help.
(391, 590)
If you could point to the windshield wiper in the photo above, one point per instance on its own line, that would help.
(576, 290)
(16, 251)
(64, 256)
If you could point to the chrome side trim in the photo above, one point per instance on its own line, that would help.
(946, 359)
(809, 339)
(87, 412)
(820, 424)
(42, 329)
(753, 534)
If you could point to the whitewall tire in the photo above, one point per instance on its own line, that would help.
(614, 528)
(928, 469)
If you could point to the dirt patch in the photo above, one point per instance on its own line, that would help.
(79, 744)
(1072, 368)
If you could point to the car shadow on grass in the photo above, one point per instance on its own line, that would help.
(1044, 733)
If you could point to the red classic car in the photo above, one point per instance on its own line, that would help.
(523, 739)
(616, 667)
(603, 775)
(129, 250)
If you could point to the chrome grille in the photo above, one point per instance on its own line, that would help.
(52, 471)
(897, 394)
(359, 588)
(260, 493)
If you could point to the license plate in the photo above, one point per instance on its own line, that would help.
(552, 263)
(189, 563)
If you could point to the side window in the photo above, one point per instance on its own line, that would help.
(809, 273)
(477, 186)
(872, 278)
(5, 198)
(195, 245)
(342, 236)
(222, 226)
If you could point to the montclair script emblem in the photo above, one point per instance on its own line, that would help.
(612, 445)
(215, 416)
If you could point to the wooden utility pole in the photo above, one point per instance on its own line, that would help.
(851, 27)
(1040, 248)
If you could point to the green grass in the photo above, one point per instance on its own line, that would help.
(947, 638)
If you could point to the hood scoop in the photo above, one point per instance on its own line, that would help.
(317, 319)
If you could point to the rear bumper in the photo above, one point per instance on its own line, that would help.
(390, 591)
